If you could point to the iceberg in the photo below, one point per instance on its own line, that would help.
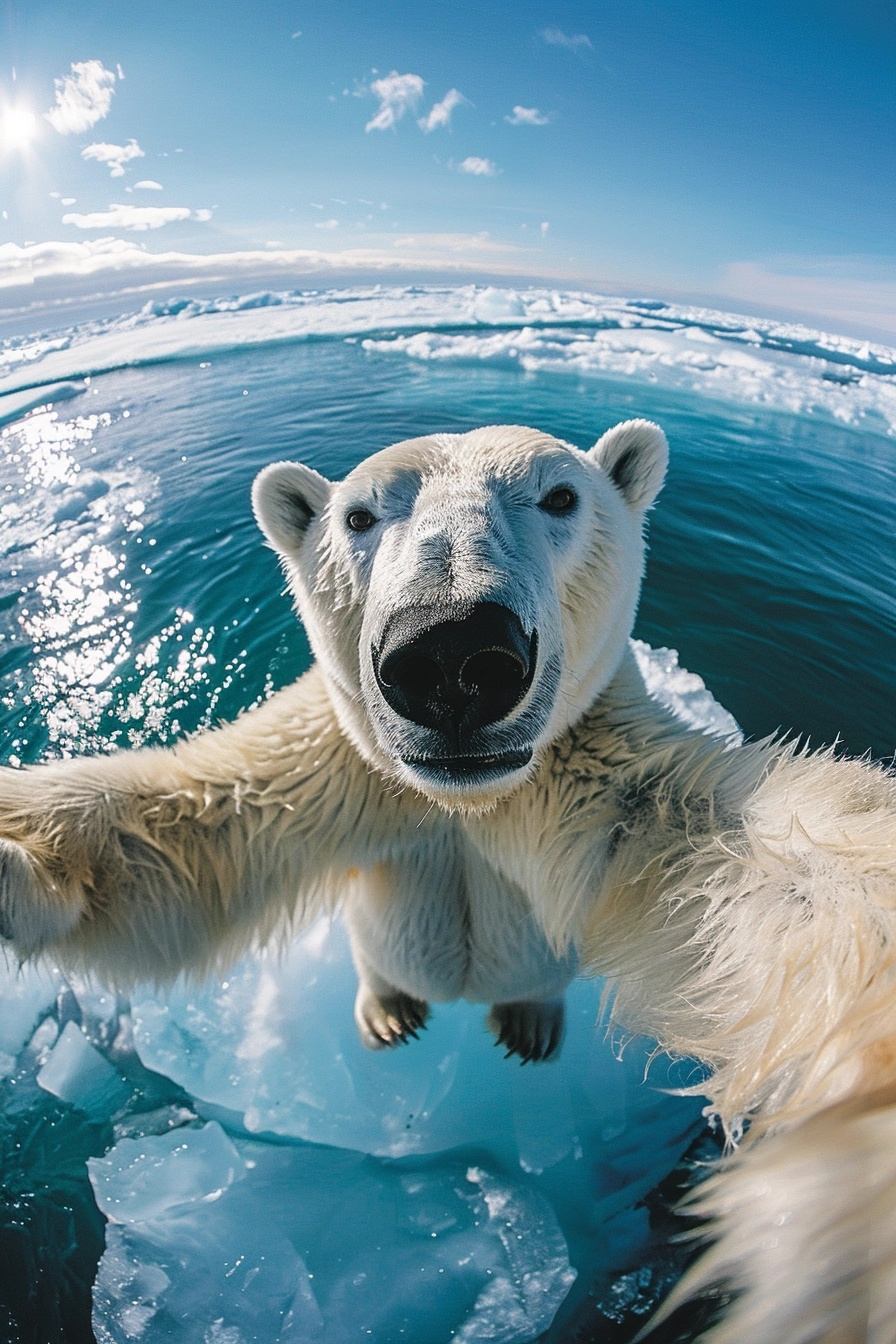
(183, 1261)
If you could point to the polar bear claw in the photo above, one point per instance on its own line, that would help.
(534, 1031)
(387, 1020)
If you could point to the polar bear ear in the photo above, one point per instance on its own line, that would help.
(634, 455)
(285, 498)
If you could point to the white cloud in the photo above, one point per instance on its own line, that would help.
(58, 268)
(147, 184)
(544, 226)
(327, 224)
(116, 156)
(440, 113)
(452, 242)
(555, 37)
(82, 98)
(478, 167)
(397, 93)
(527, 116)
(136, 218)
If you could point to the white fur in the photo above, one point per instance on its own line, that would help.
(742, 900)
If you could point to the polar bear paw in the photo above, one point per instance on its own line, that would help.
(31, 914)
(534, 1031)
(387, 1020)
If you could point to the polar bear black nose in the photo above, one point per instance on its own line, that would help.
(440, 666)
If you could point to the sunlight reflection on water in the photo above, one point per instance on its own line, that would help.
(68, 530)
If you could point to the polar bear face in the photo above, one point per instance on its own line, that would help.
(468, 596)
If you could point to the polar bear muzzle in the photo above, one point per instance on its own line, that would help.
(455, 669)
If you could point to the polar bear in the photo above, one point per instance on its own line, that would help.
(474, 770)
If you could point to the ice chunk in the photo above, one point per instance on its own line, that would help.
(498, 305)
(155, 1176)
(275, 1045)
(128, 1290)
(77, 1073)
(186, 1261)
(396, 1240)
(320, 1243)
(27, 993)
(684, 692)
(209, 1277)
(521, 1300)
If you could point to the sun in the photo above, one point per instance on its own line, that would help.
(18, 127)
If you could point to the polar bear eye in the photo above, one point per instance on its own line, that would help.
(561, 500)
(359, 520)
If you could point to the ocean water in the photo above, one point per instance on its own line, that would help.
(137, 603)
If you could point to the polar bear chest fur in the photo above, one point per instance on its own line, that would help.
(440, 923)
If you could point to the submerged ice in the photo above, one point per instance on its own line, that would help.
(386, 1252)
(430, 1192)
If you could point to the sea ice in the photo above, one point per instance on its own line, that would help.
(27, 994)
(785, 366)
(439, 1187)
(684, 692)
(498, 305)
(273, 1048)
(233, 1243)
(186, 1264)
(160, 1176)
(520, 1302)
(77, 1073)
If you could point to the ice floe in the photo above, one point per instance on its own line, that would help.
(783, 366)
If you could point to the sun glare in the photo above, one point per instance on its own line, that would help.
(18, 127)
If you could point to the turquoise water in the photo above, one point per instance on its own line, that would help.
(137, 600)
(772, 566)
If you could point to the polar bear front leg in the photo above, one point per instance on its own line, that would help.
(531, 1029)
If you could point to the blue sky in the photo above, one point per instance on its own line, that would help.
(729, 151)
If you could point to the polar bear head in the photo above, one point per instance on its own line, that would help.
(467, 596)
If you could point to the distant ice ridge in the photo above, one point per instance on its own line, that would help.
(438, 1191)
(783, 366)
